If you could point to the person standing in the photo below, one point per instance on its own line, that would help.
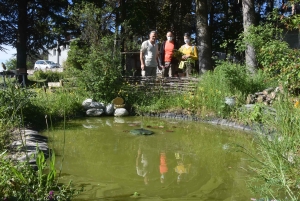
(189, 57)
(169, 64)
(149, 55)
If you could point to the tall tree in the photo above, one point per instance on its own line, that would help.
(203, 36)
(32, 25)
(248, 20)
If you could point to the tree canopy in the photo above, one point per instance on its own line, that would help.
(32, 26)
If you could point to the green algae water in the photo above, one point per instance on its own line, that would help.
(182, 160)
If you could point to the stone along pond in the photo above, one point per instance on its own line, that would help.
(182, 160)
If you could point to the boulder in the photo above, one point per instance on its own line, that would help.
(94, 112)
(86, 103)
(109, 109)
(97, 105)
(121, 112)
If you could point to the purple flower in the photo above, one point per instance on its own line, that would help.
(51, 195)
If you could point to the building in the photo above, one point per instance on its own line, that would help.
(59, 54)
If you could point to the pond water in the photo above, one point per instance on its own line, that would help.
(182, 160)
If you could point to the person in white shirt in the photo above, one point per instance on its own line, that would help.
(149, 55)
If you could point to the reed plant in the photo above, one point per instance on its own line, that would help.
(19, 181)
(275, 163)
(20, 108)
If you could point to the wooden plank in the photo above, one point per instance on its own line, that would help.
(54, 84)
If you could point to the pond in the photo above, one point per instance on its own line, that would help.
(182, 160)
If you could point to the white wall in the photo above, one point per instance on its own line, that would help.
(52, 56)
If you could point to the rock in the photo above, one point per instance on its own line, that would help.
(267, 91)
(94, 112)
(97, 105)
(230, 101)
(121, 112)
(109, 109)
(36, 139)
(141, 131)
(86, 103)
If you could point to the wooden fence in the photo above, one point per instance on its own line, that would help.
(147, 84)
(163, 85)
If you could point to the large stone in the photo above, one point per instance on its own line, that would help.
(97, 105)
(109, 109)
(121, 112)
(86, 103)
(94, 112)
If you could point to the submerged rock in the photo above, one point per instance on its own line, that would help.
(141, 131)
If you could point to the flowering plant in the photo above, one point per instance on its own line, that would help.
(177, 54)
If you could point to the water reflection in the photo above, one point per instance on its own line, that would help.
(189, 163)
(163, 167)
(142, 165)
(182, 168)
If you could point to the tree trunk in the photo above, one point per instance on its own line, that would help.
(248, 20)
(21, 45)
(123, 17)
(203, 37)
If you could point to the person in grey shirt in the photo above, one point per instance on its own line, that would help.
(149, 55)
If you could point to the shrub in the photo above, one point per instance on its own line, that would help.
(101, 75)
(51, 76)
(273, 54)
(227, 80)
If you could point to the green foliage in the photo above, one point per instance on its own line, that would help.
(276, 159)
(227, 80)
(56, 105)
(21, 182)
(278, 61)
(11, 64)
(78, 55)
(101, 75)
(12, 102)
(50, 76)
(91, 20)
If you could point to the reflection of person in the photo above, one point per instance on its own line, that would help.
(142, 168)
(190, 56)
(163, 168)
(149, 55)
(168, 64)
(181, 168)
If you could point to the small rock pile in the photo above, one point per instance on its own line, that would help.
(267, 96)
(96, 109)
(26, 144)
